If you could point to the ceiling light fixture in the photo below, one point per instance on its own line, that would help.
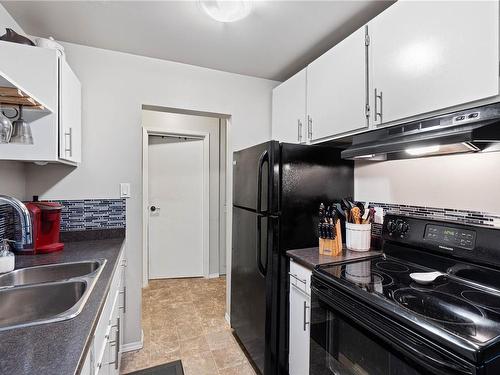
(227, 11)
(417, 151)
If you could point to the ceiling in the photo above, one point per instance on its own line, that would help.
(275, 41)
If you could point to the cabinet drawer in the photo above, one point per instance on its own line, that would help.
(300, 277)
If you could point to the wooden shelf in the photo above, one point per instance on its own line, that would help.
(12, 96)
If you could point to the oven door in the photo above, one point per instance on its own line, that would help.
(348, 337)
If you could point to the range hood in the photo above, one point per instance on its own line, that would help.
(473, 130)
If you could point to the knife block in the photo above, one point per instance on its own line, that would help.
(332, 247)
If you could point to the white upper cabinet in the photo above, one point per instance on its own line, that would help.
(46, 77)
(70, 114)
(337, 87)
(427, 56)
(289, 110)
(32, 69)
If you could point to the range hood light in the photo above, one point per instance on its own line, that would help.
(368, 156)
(418, 151)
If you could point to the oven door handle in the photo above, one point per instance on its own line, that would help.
(419, 351)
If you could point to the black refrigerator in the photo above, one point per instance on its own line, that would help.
(277, 190)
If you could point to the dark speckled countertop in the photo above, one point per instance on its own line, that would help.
(59, 348)
(310, 257)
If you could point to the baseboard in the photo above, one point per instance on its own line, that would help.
(228, 319)
(132, 346)
(213, 275)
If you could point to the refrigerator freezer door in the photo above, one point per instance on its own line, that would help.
(254, 177)
(249, 266)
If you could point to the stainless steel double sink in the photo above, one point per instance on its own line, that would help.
(45, 294)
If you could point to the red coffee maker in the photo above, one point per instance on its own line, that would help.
(46, 219)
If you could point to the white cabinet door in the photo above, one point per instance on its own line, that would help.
(87, 364)
(70, 114)
(336, 88)
(33, 69)
(428, 56)
(289, 110)
(300, 306)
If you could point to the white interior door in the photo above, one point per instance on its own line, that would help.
(175, 207)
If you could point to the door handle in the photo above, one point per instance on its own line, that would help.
(117, 348)
(378, 115)
(124, 292)
(299, 131)
(260, 267)
(263, 157)
(309, 127)
(305, 315)
(70, 148)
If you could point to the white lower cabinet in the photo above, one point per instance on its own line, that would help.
(300, 314)
(104, 355)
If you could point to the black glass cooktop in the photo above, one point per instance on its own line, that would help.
(449, 304)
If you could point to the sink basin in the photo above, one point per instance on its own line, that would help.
(46, 294)
(48, 273)
(33, 304)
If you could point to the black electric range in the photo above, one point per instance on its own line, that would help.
(371, 317)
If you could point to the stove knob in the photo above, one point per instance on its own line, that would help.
(405, 227)
(399, 227)
(391, 225)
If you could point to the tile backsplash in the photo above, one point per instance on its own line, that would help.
(445, 214)
(88, 214)
(76, 215)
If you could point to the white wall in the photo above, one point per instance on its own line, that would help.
(155, 120)
(466, 181)
(12, 180)
(114, 88)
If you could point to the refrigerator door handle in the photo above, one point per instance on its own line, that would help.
(263, 158)
(262, 269)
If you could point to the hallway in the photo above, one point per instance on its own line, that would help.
(184, 319)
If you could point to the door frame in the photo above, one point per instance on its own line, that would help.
(205, 137)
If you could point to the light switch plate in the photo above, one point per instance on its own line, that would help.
(125, 190)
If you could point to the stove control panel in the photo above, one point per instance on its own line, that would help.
(474, 243)
(450, 237)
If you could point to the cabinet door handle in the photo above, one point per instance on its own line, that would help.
(117, 347)
(309, 127)
(378, 115)
(124, 292)
(70, 148)
(305, 315)
(299, 131)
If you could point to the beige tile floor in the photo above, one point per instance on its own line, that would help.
(184, 319)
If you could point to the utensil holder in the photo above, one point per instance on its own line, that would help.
(358, 236)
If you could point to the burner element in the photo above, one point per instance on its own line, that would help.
(483, 299)
(392, 266)
(438, 306)
(382, 278)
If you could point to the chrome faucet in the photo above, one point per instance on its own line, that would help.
(26, 227)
